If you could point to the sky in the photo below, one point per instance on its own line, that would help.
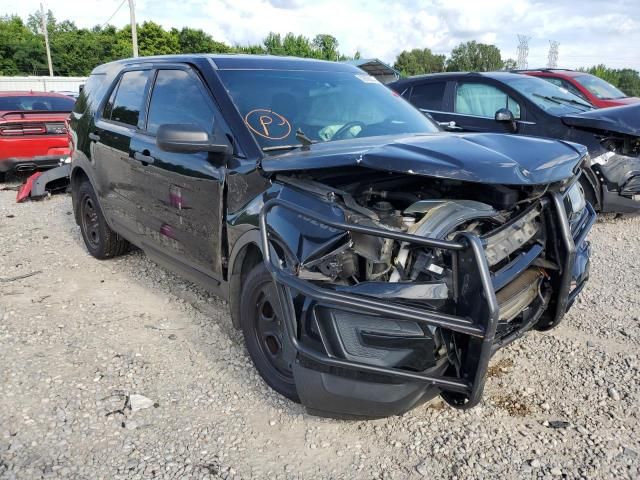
(589, 31)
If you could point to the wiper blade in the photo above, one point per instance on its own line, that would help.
(575, 102)
(276, 148)
(545, 97)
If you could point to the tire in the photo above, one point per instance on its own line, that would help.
(100, 240)
(262, 325)
(3, 177)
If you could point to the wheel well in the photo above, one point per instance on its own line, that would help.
(78, 175)
(245, 261)
(590, 191)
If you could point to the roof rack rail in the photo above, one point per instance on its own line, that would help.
(545, 69)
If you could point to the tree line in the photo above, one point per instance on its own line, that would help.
(76, 51)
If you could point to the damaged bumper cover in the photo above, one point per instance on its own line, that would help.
(348, 372)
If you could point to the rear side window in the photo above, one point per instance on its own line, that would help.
(178, 97)
(127, 99)
(91, 93)
(429, 95)
(482, 100)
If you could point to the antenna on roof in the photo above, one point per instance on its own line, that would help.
(523, 52)
(553, 54)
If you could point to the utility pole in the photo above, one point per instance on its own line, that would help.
(134, 32)
(46, 38)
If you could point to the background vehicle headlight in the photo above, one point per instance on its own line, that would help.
(575, 201)
(603, 159)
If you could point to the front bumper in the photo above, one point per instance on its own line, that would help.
(328, 383)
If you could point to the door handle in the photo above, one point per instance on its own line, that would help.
(94, 137)
(451, 126)
(143, 158)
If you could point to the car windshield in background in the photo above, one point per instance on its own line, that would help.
(551, 98)
(36, 104)
(598, 87)
(277, 105)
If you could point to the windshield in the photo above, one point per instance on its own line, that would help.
(549, 97)
(325, 106)
(36, 103)
(601, 89)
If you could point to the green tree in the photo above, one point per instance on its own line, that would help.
(193, 40)
(419, 61)
(326, 47)
(629, 82)
(474, 57)
(21, 52)
(509, 64)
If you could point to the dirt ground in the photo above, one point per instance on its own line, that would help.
(79, 336)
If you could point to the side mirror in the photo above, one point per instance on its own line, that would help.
(179, 137)
(504, 115)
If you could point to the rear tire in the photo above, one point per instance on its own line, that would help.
(264, 332)
(100, 240)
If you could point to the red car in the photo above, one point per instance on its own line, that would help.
(33, 132)
(595, 90)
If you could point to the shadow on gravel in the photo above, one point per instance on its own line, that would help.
(177, 289)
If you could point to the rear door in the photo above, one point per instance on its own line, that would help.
(475, 104)
(115, 127)
(180, 194)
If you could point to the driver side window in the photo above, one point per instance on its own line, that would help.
(482, 100)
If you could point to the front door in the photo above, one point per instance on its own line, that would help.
(180, 194)
(476, 103)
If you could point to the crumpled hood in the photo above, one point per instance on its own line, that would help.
(475, 157)
(624, 119)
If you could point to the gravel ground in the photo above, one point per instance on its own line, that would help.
(79, 336)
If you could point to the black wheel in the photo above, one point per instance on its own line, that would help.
(264, 332)
(3, 177)
(100, 240)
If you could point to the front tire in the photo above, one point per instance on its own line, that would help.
(264, 332)
(100, 240)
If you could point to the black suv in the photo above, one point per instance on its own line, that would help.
(512, 103)
(371, 261)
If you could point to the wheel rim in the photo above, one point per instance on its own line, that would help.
(269, 332)
(90, 222)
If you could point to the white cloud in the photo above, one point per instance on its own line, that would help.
(589, 33)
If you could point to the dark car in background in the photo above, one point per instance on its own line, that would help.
(371, 260)
(512, 103)
(33, 134)
(595, 90)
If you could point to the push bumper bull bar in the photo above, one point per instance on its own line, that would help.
(479, 323)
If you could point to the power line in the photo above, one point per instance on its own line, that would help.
(114, 14)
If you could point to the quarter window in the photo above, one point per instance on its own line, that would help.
(483, 100)
(178, 98)
(125, 107)
(429, 95)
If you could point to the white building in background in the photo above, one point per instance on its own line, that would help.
(42, 84)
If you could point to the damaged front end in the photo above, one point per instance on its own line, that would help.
(615, 157)
(396, 289)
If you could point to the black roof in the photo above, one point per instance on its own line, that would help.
(240, 61)
(499, 75)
